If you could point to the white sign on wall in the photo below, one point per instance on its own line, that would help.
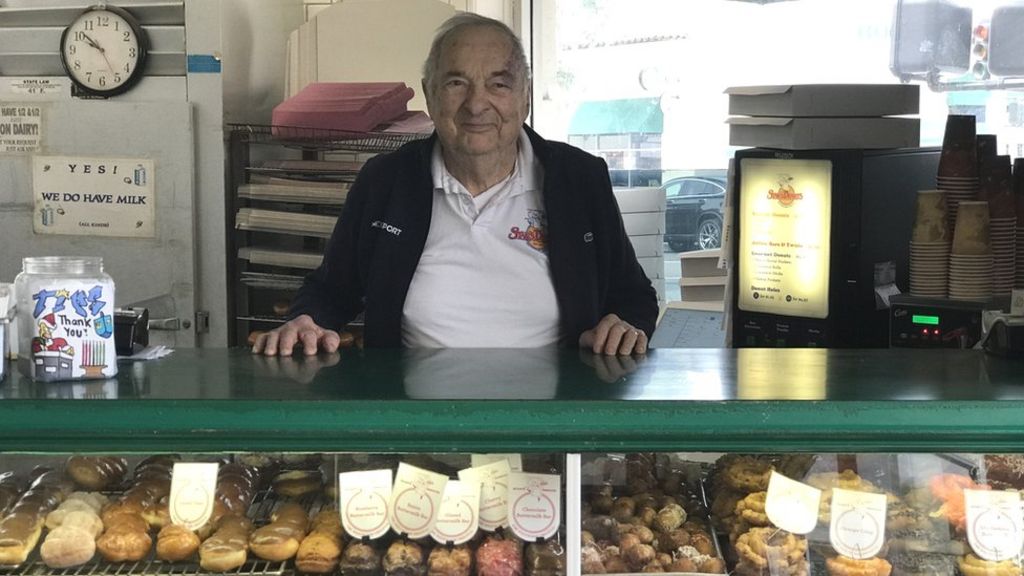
(21, 127)
(84, 196)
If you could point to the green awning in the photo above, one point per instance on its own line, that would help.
(628, 116)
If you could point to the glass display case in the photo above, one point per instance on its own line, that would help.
(685, 462)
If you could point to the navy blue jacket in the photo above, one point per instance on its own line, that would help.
(368, 267)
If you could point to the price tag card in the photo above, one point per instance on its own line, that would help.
(515, 461)
(994, 524)
(193, 485)
(459, 516)
(493, 481)
(858, 523)
(534, 505)
(415, 500)
(363, 499)
(791, 505)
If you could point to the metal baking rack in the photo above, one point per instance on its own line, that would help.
(150, 567)
(324, 139)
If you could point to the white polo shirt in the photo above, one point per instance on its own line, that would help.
(483, 279)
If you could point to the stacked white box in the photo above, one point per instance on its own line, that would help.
(643, 214)
(701, 278)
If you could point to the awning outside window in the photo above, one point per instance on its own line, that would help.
(626, 116)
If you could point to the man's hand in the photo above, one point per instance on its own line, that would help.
(300, 330)
(612, 336)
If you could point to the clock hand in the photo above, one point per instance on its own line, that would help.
(103, 52)
(91, 42)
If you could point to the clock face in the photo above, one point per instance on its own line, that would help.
(103, 51)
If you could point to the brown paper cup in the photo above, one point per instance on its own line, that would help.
(971, 235)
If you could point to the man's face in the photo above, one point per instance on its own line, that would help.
(479, 100)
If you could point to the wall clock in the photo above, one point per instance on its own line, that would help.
(103, 51)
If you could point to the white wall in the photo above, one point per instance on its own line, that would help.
(255, 33)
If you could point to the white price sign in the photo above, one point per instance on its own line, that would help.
(193, 485)
(994, 524)
(363, 501)
(460, 513)
(534, 505)
(493, 481)
(792, 505)
(415, 500)
(858, 523)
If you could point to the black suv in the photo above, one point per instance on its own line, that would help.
(693, 212)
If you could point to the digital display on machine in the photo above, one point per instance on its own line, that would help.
(926, 320)
(785, 226)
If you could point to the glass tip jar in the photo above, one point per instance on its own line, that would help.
(65, 317)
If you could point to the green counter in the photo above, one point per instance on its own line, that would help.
(529, 400)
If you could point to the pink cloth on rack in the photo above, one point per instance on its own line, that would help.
(349, 106)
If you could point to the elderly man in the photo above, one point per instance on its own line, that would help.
(484, 235)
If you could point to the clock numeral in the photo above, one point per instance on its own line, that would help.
(78, 65)
(88, 25)
(126, 67)
(88, 76)
(103, 21)
(79, 36)
(127, 36)
(117, 78)
(103, 80)
(117, 25)
(72, 49)
(131, 52)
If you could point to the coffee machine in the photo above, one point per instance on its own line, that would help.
(821, 239)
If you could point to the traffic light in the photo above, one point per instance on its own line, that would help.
(979, 52)
(1006, 45)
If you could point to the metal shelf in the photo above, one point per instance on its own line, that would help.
(320, 139)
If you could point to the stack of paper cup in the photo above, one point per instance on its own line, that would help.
(1018, 198)
(958, 163)
(970, 260)
(929, 246)
(996, 188)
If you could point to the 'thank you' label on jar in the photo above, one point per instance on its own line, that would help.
(415, 500)
(994, 524)
(459, 516)
(493, 481)
(363, 499)
(792, 505)
(534, 505)
(193, 485)
(858, 523)
(72, 332)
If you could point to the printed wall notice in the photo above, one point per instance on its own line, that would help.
(21, 127)
(94, 196)
(785, 226)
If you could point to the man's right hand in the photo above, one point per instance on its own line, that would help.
(300, 330)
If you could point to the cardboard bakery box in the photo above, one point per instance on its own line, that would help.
(640, 199)
(815, 100)
(708, 288)
(700, 263)
(824, 133)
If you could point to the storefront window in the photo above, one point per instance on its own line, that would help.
(615, 76)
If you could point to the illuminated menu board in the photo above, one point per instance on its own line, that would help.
(785, 225)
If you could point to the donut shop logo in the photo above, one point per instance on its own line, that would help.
(785, 193)
(536, 233)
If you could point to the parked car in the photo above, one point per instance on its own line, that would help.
(693, 212)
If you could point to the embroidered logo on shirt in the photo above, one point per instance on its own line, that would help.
(386, 227)
(536, 233)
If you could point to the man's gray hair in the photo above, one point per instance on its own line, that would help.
(464, 20)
